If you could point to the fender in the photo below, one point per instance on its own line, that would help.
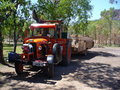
(50, 59)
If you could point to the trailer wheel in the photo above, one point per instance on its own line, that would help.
(18, 68)
(50, 70)
(84, 53)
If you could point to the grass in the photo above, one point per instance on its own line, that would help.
(113, 45)
(9, 48)
(1, 65)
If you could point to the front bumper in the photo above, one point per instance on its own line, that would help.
(38, 63)
(14, 57)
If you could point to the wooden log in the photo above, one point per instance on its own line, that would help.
(81, 44)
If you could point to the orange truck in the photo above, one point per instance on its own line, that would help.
(46, 46)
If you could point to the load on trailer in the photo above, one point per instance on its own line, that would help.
(81, 44)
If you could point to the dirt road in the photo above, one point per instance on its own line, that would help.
(100, 69)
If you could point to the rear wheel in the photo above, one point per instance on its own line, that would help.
(66, 59)
(18, 68)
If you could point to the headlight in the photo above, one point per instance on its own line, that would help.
(26, 49)
(39, 48)
(49, 42)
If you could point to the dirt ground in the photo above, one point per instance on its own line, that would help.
(100, 69)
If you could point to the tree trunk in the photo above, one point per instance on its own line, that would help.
(110, 36)
(15, 37)
(9, 36)
(95, 35)
(15, 41)
(1, 49)
(110, 29)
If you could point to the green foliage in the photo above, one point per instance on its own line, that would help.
(105, 31)
(13, 15)
(107, 15)
(5, 10)
(74, 12)
(13, 10)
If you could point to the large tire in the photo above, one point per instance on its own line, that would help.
(50, 70)
(18, 68)
(57, 53)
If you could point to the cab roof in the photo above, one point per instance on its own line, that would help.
(43, 25)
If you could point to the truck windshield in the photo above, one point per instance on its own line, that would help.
(44, 32)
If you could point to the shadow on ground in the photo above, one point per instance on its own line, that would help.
(95, 75)
(92, 54)
(37, 76)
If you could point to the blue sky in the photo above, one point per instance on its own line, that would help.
(98, 6)
(33, 1)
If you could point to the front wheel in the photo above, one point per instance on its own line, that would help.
(50, 70)
(18, 68)
(57, 53)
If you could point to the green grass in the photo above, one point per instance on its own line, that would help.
(1, 65)
(113, 45)
(9, 48)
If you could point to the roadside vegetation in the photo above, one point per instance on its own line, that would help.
(105, 31)
(10, 48)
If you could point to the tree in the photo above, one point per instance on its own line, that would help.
(13, 15)
(20, 15)
(70, 11)
(105, 31)
(108, 15)
(113, 1)
(5, 11)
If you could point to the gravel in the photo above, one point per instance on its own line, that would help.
(99, 70)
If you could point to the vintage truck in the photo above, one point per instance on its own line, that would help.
(46, 47)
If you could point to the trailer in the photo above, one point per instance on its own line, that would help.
(81, 44)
